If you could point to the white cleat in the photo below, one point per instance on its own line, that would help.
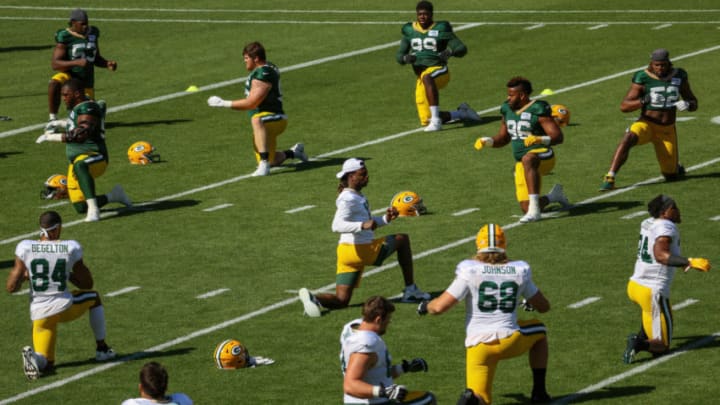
(30, 364)
(312, 307)
(93, 215)
(468, 114)
(263, 169)
(530, 217)
(557, 195)
(299, 150)
(434, 125)
(117, 194)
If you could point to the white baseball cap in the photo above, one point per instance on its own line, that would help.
(350, 165)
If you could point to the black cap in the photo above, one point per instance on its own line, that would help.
(78, 15)
(660, 55)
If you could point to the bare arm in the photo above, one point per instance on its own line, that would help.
(17, 276)
(81, 276)
(661, 250)
(539, 302)
(258, 92)
(60, 64)
(442, 303)
(688, 95)
(633, 98)
(552, 130)
(358, 365)
(503, 136)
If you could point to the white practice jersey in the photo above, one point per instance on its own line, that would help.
(495, 291)
(352, 341)
(648, 272)
(173, 399)
(352, 210)
(49, 264)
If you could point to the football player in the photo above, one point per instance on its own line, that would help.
(658, 256)
(529, 127)
(495, 287)
(76, 53)
(49, 264)
(368, 373)
(86, 151)
(152, 387)
(263, 102)
(427, 45)
(659, 92)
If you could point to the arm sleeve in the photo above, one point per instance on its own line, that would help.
(403, 50)
(341, 223)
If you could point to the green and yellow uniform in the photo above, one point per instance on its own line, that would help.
(88, 159)
(270, 110)
(79, 46)
(427, 45)
(520, 124)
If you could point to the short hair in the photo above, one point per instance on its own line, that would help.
(75, 84)
(50, 219)
(659, 204)
(424, 5)
(377, 306)
(154, 379)
(522, 82)
(254, 49)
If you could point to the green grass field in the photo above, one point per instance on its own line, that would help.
(347, 97)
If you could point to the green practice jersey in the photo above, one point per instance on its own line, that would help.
(96, 141)
(273, 101)
(669, 88)
(79, 47)
(525, 123)
(426, 45)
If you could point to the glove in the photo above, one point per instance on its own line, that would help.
(682, 105)
(409, 58)
(480, 142)
(56, 124)
(527, 306)
(414, 365)
(445, 55)
(215, 101)
(422, 307)
(698, 263)
(394, 392)
(49, 136)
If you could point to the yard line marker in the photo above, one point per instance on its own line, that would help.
(534, 27)
(298, 209)
(582, 303)
(597, 27)
(465, 211)
(55, 204)
(122, 291)
(685, 303)
(717, 218)
(662, 26)
(634, 214)
(213, 293)
(637, 370)
(217, 207)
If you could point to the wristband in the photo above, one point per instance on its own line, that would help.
(488, 141)
(227, 103)
(677, 261)
(545, 140)
(53, 137)
(377, 389)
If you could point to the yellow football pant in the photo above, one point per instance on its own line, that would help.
(441, 76)
(275, 125)
(63, 77)
(546, 165)
(657, 317)
(663, 138)
(97, 165)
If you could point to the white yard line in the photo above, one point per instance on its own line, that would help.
(122, 291)
(299, 209)
(634, 214)
(582, 303)
(217, 207)
(212, 293)
(685, 304)
(464, 212)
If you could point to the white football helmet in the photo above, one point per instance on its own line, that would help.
(408, 204)
(142, 153)
(55, 188)
(231, 354)
(561, 114)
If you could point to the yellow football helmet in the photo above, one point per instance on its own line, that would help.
(142, 153)
(408, 204)
(491, 239)
(55, 188)
(231, 354)
(561, 114)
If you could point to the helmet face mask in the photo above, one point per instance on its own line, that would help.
(142, 153)
(408, 204)
(231, 354)
(491, 239)
(561, 114)
(55, 188)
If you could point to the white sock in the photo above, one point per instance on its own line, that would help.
(435, 112)
(92, 204)
(53, 117)
(534, 204)
(97, 322)
(611, 173)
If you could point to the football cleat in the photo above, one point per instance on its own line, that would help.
(467, 113)
(434, 125)
(408, 204)
(231, 354)
(311, 305)
(299, 151)
(561, 114)
(55, 188)
(557, 195)
(30, 363)
(608, 183)
(412, 293)
(530, 217)
(105, 355)
(629, 353)
(263, 169)
(142, 153)
(490, 239)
